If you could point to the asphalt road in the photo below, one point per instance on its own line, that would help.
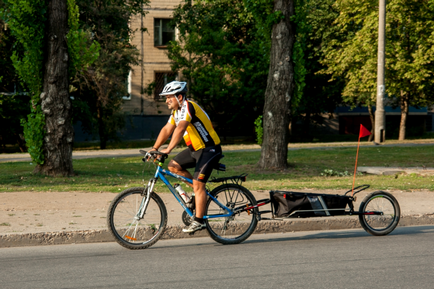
(326, 259)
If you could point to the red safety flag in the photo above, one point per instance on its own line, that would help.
(363, 131)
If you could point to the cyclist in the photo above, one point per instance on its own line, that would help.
(190, 121)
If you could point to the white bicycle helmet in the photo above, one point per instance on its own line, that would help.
(174, 87)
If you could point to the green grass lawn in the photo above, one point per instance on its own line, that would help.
(304, 172)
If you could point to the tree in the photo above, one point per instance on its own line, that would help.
(55, 102)
(41, 28)
(280, 88)
(101, 88)
(222, 55)
(409, 53)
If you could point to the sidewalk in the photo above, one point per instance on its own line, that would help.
(73, 217)
(25, 157)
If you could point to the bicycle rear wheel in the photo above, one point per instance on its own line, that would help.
(379, 213)
(130, 231)
(237, 228)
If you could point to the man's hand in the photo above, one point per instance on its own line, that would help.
(149, 153)
(166, 151)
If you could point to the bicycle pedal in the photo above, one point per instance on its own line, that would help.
(192, 233)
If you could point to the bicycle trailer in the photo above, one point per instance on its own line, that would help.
(379, 212)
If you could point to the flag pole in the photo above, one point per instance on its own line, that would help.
(355, 168)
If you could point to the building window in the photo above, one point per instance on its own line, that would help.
(163, 32)
(161, 79)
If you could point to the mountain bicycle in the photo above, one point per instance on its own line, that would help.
(137, 217)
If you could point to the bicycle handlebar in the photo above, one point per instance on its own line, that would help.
(155, 155)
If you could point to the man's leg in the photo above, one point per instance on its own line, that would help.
(198, 188)
(204, 167)
(200, 198)
(176, 168)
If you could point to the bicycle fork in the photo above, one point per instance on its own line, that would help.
(145, 201)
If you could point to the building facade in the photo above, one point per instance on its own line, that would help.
(148, 79)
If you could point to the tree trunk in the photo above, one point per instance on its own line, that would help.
(372, 117)
(404, 113)
(55, 104)
(280, 86)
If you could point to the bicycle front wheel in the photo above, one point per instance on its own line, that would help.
(128, 229)
(238, 227)
(379, 213)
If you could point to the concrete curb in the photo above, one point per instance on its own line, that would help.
(175, 232)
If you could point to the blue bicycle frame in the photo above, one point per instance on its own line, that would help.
(161, 173)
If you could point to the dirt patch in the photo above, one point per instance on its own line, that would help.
(52, 211)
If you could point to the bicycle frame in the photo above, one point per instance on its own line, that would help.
(160, 173)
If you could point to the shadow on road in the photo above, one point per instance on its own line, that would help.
(297, 236)
(356, 233)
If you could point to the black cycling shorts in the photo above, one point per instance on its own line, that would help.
(202, 160)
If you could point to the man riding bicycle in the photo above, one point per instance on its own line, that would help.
(190, 121)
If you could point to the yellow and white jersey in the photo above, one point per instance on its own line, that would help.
(200, 132)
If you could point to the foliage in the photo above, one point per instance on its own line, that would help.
(409, 50)
(33, 128)
(264, 19)
(14, 105)
(100, 89)
(223, 55)
(82, 50)
(321, 94)
(332, 173)
(299, 50)
(259, 130)
(26, 19)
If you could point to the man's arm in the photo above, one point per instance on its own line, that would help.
(177, 136)
(164, 134)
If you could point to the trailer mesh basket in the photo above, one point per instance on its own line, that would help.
(294, 204)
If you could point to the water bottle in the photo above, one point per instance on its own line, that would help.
(183, 194)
